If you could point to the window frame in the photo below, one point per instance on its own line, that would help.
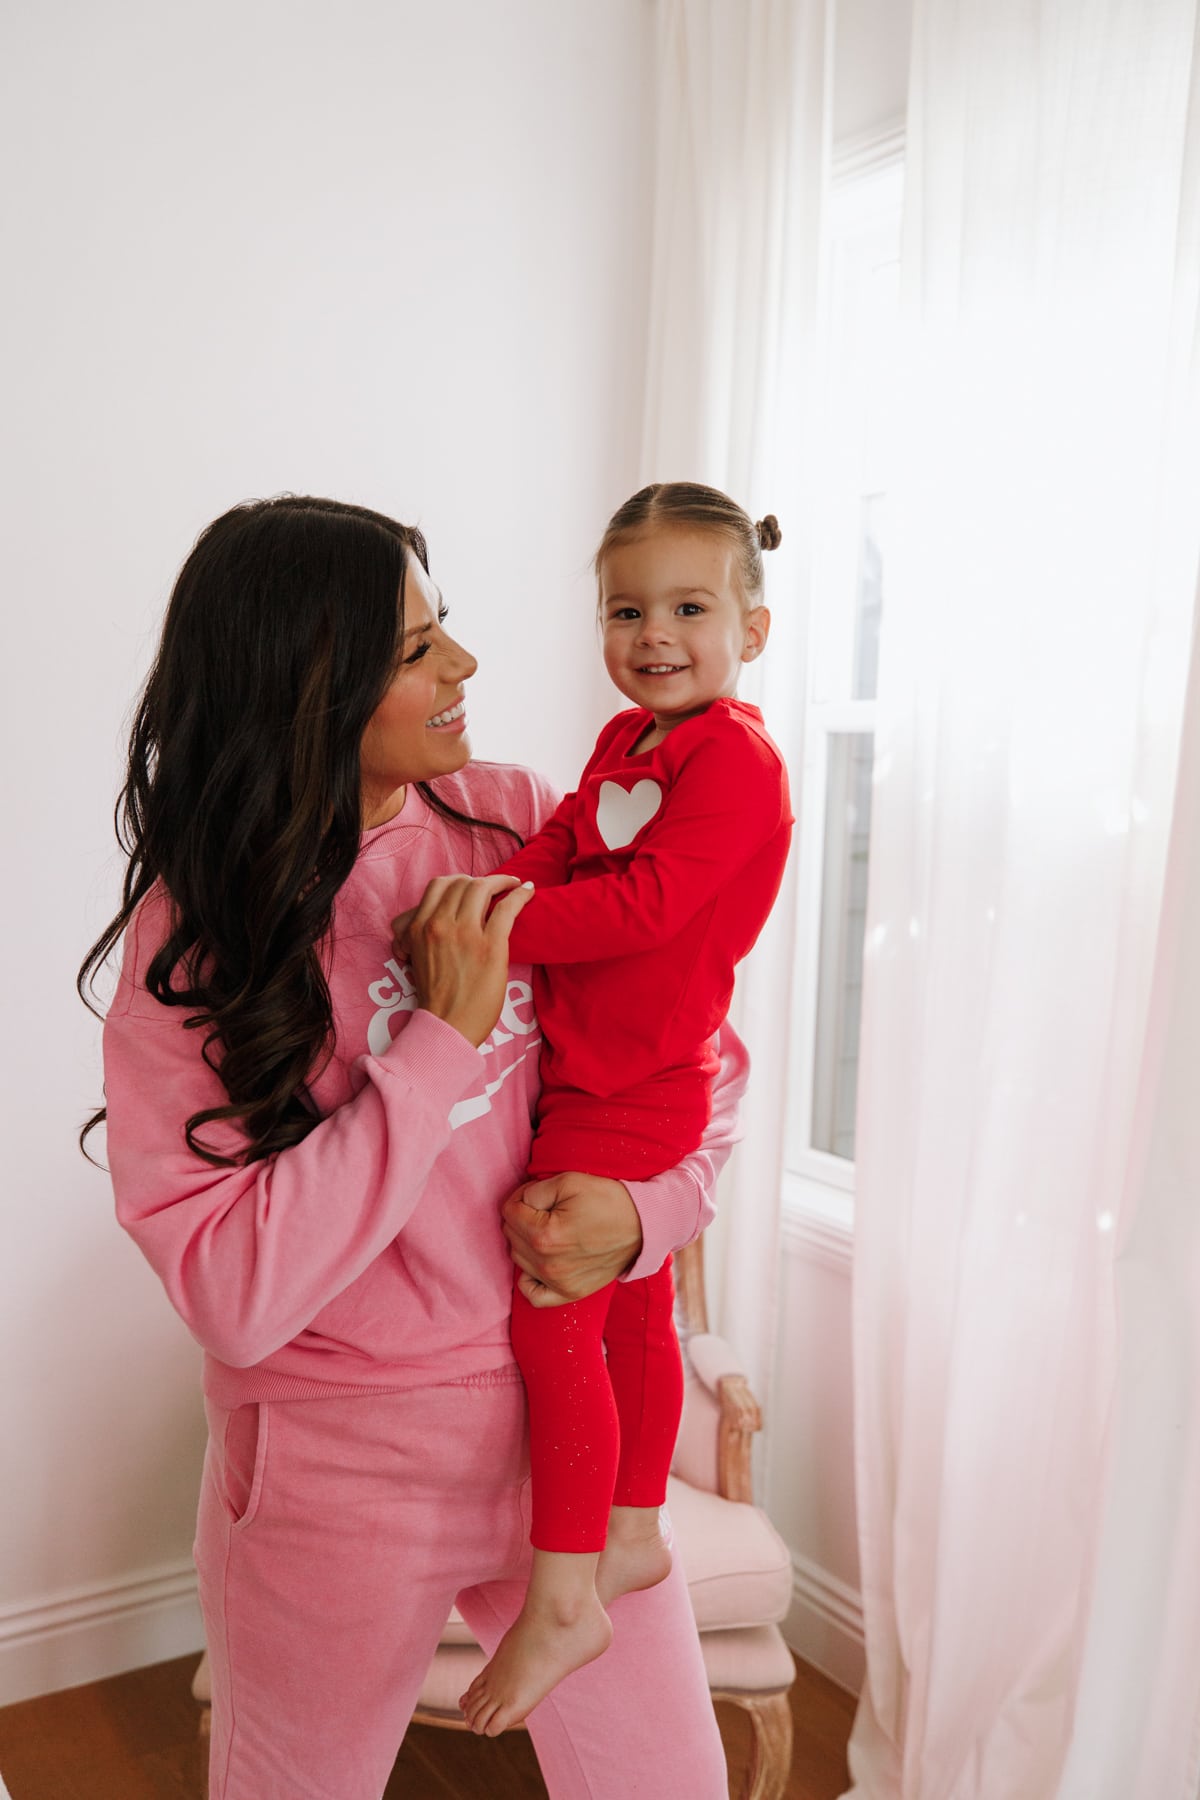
(866, 187)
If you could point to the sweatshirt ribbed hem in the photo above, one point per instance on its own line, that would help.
(230, 1388)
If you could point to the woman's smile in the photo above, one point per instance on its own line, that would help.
(453, 719)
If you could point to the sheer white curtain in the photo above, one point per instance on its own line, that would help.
(742, 159)
(1030, 1570)
(1137, 1729)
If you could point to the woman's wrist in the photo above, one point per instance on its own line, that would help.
(470, 1028)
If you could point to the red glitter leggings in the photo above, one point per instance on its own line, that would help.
(600, 1433)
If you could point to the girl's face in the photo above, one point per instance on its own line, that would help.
(419, 729)
(676, 628)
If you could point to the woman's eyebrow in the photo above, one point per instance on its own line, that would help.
(415, 630)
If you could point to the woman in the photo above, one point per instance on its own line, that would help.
(312, 1143)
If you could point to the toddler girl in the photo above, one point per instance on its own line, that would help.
(651, 882)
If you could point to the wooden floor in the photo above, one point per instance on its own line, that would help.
(134, 1738)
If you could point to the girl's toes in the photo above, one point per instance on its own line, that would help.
(485, 1721)
(471, 1704)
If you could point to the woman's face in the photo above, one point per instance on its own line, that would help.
(419, 729)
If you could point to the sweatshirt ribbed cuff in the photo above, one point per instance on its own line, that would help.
(669, 1209)
(442, 1054)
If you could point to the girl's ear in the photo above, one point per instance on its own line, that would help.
(758, 627)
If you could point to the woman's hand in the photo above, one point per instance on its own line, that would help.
(570, 1235)
(457, 943)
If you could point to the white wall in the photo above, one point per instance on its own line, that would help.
(394, 252)
(870, 74)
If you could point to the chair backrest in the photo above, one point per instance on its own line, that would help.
(691, 1307)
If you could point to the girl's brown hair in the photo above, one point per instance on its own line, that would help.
(702, 508)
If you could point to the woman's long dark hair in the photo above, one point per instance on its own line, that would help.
(243, 789)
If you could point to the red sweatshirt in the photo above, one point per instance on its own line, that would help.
(653, 880)
(369, 1256)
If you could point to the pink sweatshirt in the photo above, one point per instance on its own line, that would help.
(369, 1256)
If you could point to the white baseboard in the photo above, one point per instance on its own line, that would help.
(105, 1628)
(88, 1633)
(824, 1625)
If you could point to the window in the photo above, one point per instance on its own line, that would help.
(850, 562)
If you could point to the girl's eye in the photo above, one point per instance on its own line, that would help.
(625, 612)
(690, 609)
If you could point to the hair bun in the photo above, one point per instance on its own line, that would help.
(769, 535)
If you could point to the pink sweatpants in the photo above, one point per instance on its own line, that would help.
(333, 1537)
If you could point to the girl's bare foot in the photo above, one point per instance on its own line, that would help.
(636, 1555)
(536, 1651)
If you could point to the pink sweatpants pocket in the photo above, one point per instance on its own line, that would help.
(243, 1455)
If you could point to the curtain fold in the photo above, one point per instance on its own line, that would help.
(741, 171)
(1032, 690)
(1137, 1724)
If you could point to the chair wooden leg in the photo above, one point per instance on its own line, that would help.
(205, 1735)
(771, 1752)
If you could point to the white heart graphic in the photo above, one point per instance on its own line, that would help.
(621, 815)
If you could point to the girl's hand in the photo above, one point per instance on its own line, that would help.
(457, 943)
(570, 1235)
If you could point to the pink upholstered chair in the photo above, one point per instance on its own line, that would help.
(738, 1569)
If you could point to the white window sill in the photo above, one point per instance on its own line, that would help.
(818, 1217)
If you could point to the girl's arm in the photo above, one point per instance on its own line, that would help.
(574, 1233)
(546, 858)
(250, 1254)
(727, 803)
